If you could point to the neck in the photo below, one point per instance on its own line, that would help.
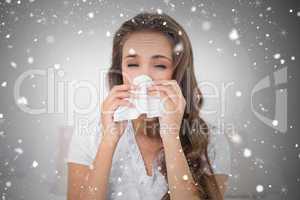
(146, 128)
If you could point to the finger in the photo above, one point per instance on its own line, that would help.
(123, 87)
(167, 89)
(164, 82)
(123, 94)
(168, 82)
(168, 104)
(120, 102)
(157, 93)
(153, 93)
(120, 88)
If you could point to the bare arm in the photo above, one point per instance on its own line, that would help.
(76, 174)
(86, 182)
(181, 183)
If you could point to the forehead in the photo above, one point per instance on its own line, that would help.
(147, 43)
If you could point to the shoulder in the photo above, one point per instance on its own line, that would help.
(219, 151)
(86, 137)
(85, 140)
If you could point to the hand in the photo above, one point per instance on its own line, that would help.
(115, 98)
(174, 105)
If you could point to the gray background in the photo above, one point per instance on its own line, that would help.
(64, 35)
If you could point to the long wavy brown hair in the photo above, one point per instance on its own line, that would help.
(194, 132)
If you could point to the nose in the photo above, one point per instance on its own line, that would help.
(146, 70)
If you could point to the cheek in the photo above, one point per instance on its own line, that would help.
(128, 75)
(162, 74)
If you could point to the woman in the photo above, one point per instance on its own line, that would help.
(148, 158)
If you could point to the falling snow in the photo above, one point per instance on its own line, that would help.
(233, 35)
(193, 8)
(241, 42)
(13, 64)
(275, 123)
(276, 56)
(4, 84)
(238, 93)
(185, 177)
(35, 164)
(247, 153)
(91, 15)
(30, 60)
(259, 188)
(22, 101)
(19, 150)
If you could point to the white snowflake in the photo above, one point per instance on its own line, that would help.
(236, 138)
(119, 179)
(22, 101)
(19, 150)
(159, 11)
(30, 60)
(131, 51)
(193, 8)
(259, 188)
(8, 184)
(35, 164)
(276, 56)
(13, 64)
(119, 193)
(91, 15)
(238, 93)
(185, 177)
(178, 47)
(4, 84)
(233, 35)
(56, 66)
(247, 153)
(275, 123)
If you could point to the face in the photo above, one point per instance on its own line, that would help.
(148, 53)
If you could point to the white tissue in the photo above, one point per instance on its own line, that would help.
(150, 105)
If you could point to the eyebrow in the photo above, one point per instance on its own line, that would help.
(153, 57)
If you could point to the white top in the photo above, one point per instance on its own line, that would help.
(128, 176)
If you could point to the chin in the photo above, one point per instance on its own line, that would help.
(152, 119)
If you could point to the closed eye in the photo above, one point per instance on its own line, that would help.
(133, 65)
(161, 66)
(136, 65)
